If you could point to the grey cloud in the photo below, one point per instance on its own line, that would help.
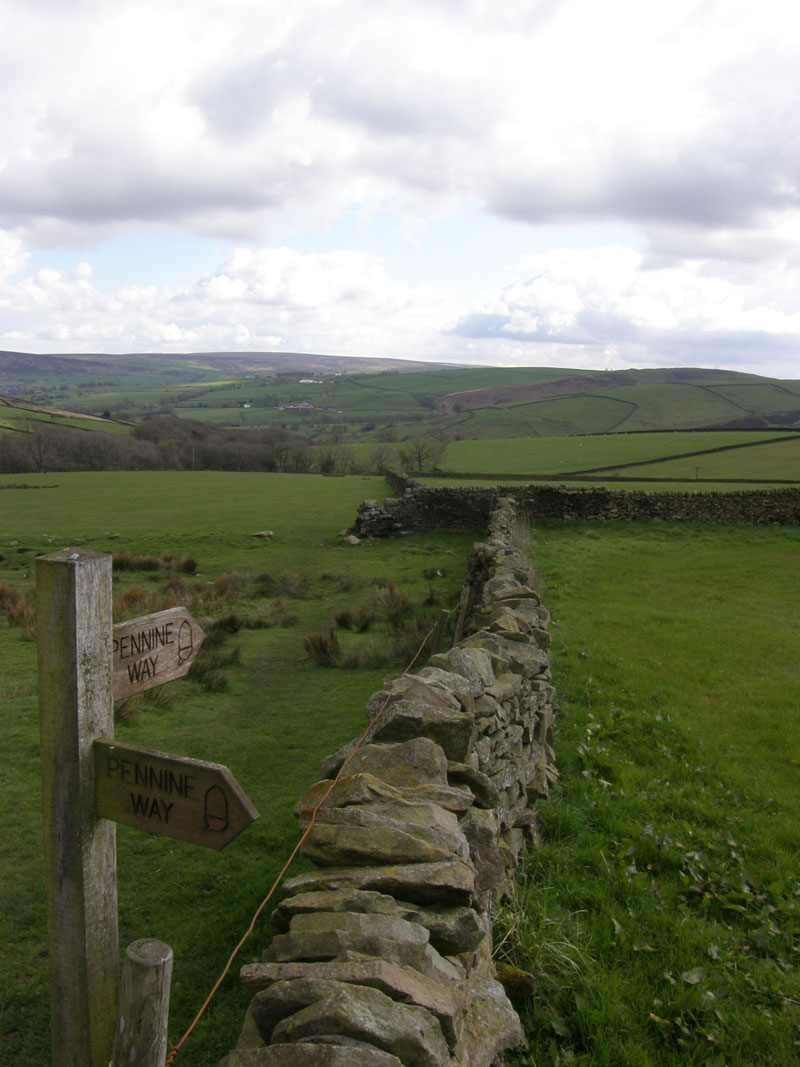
(590, 328)
(641, 346)
(743, 247)
(480, 325)
(740, 160)
(402, 103)
(95, 187)
(702, 187)
(243, 98)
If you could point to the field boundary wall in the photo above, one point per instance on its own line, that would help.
(416, 506)
(382, 955)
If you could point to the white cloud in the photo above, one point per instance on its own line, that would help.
(13, 256)
(677, 120)
(608, 299)
(258, 298)
(599, 307)
(213, 117)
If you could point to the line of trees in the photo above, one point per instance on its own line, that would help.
(160, 443)
(165, 442)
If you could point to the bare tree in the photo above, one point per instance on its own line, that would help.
(417, 453)
(38, 443)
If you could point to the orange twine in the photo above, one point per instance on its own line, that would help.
(176, 1049)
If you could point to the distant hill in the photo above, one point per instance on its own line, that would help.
(233, 364)
(16, 414)
(601, 382)
(630, 401)
(344, 398)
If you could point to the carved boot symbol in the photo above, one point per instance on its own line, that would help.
(185, 642)
(215, 809)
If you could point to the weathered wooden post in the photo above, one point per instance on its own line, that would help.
(89, 782)
(76, 706)
(141, 1039)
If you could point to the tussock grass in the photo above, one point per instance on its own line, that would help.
(125, 561)
(363, 618)
(399, 627)
(393, 604)
(323, 648)
(19, 611)
(294, 585)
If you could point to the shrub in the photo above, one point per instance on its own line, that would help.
(363, 618)
(124, 561)
(344, 618)
(228, 624)
(294, 585)
(368, 657)
(394, 604)
(133, 597)
(223, 584)
(174, 584)
(14, 605)
(207, 668)
(323, 649)
(408, 644)
(265, 584)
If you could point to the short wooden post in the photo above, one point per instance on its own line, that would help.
(141, 1039)
(76, 706)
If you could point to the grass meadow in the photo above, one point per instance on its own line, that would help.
(559, 455)
(256, 703)
(692, 458)
(778, 460)
(361, 407)
(661, 916)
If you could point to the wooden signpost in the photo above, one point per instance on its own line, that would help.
(170, 795)
(153, 649)
(89, 782)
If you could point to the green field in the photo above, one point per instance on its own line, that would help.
(473, 402)
(648, 407)
(661, 919)
(661, 916)
(571, 414)
(779, 460)
(566, 456)
(19, 415)
(274, 718)
(610, 456)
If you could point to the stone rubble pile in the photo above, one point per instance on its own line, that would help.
(382, 955)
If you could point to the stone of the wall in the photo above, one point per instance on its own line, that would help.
(426, 507)
(382, 955)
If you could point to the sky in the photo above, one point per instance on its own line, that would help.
(513, 182)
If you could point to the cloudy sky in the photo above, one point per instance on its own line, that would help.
(522, 182)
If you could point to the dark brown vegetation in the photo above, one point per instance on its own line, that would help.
(162, 442)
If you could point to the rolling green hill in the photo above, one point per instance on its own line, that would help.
(23, 415)
(313, 392)
(284, 411)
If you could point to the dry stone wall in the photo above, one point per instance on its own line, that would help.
(382, 955)
(426, 507)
